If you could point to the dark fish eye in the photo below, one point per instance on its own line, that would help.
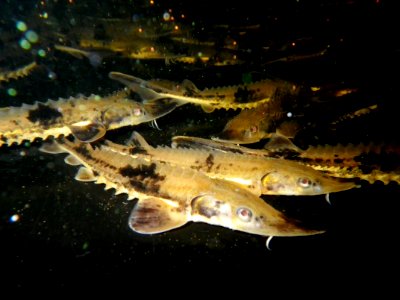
(244, 214)
(304, 182)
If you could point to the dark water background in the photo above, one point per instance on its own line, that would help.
(72, 233)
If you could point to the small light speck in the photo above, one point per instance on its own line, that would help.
(289, 114)
(85, 246)
(42, 53)
(14, 218)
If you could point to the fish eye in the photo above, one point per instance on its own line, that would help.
(304, 182)
(244, 214)
(137, 111)
(253, 129)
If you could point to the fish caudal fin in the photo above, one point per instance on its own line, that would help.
(154, 215)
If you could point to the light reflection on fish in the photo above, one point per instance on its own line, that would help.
(170, 196)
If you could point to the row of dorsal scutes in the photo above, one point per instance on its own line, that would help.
(17, 73)
(53, 117)
(350, 173)
(347, 151)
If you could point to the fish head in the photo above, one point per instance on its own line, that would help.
(247, 213)
(291, 178)
(242, 131)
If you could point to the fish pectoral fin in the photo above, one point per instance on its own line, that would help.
(85, 175)
(207, 108)
(137, 140)
(154, 215)
(278, 143)
(189, 88)
(88, 132)
(72, 160)
(137, 85)
(52, 148)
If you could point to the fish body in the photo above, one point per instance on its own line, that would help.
(88, 118)
(170, 196)
(244, 96)
(366, 162)
(17, 73)
(259, 175)
(252, 125)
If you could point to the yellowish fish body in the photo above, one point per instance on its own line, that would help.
(259, 175)
(88, 118)
(18, 73)
(245, 96)
(171, 196)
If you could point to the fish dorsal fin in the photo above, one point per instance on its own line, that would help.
(280, 143)
(137, 85)
(85, 175)
(87, 131)
(51, 148)
(189, 88)
(72, 160)
(207, 108)
(137, 140)
(154, 215)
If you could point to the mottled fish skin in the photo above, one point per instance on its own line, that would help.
(244, 96)
(183, 194)
(259, 175)
(18, 73)
(87, 118)
(342, 161)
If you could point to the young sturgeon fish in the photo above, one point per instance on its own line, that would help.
(87, 118)
(171, 196)
(259, 175)
(233, 97)
(341, 161)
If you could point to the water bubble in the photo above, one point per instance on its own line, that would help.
(42, 53)
(32, 36)
(166, 16)
(24, 44)
(21, 26)
(12, 92)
